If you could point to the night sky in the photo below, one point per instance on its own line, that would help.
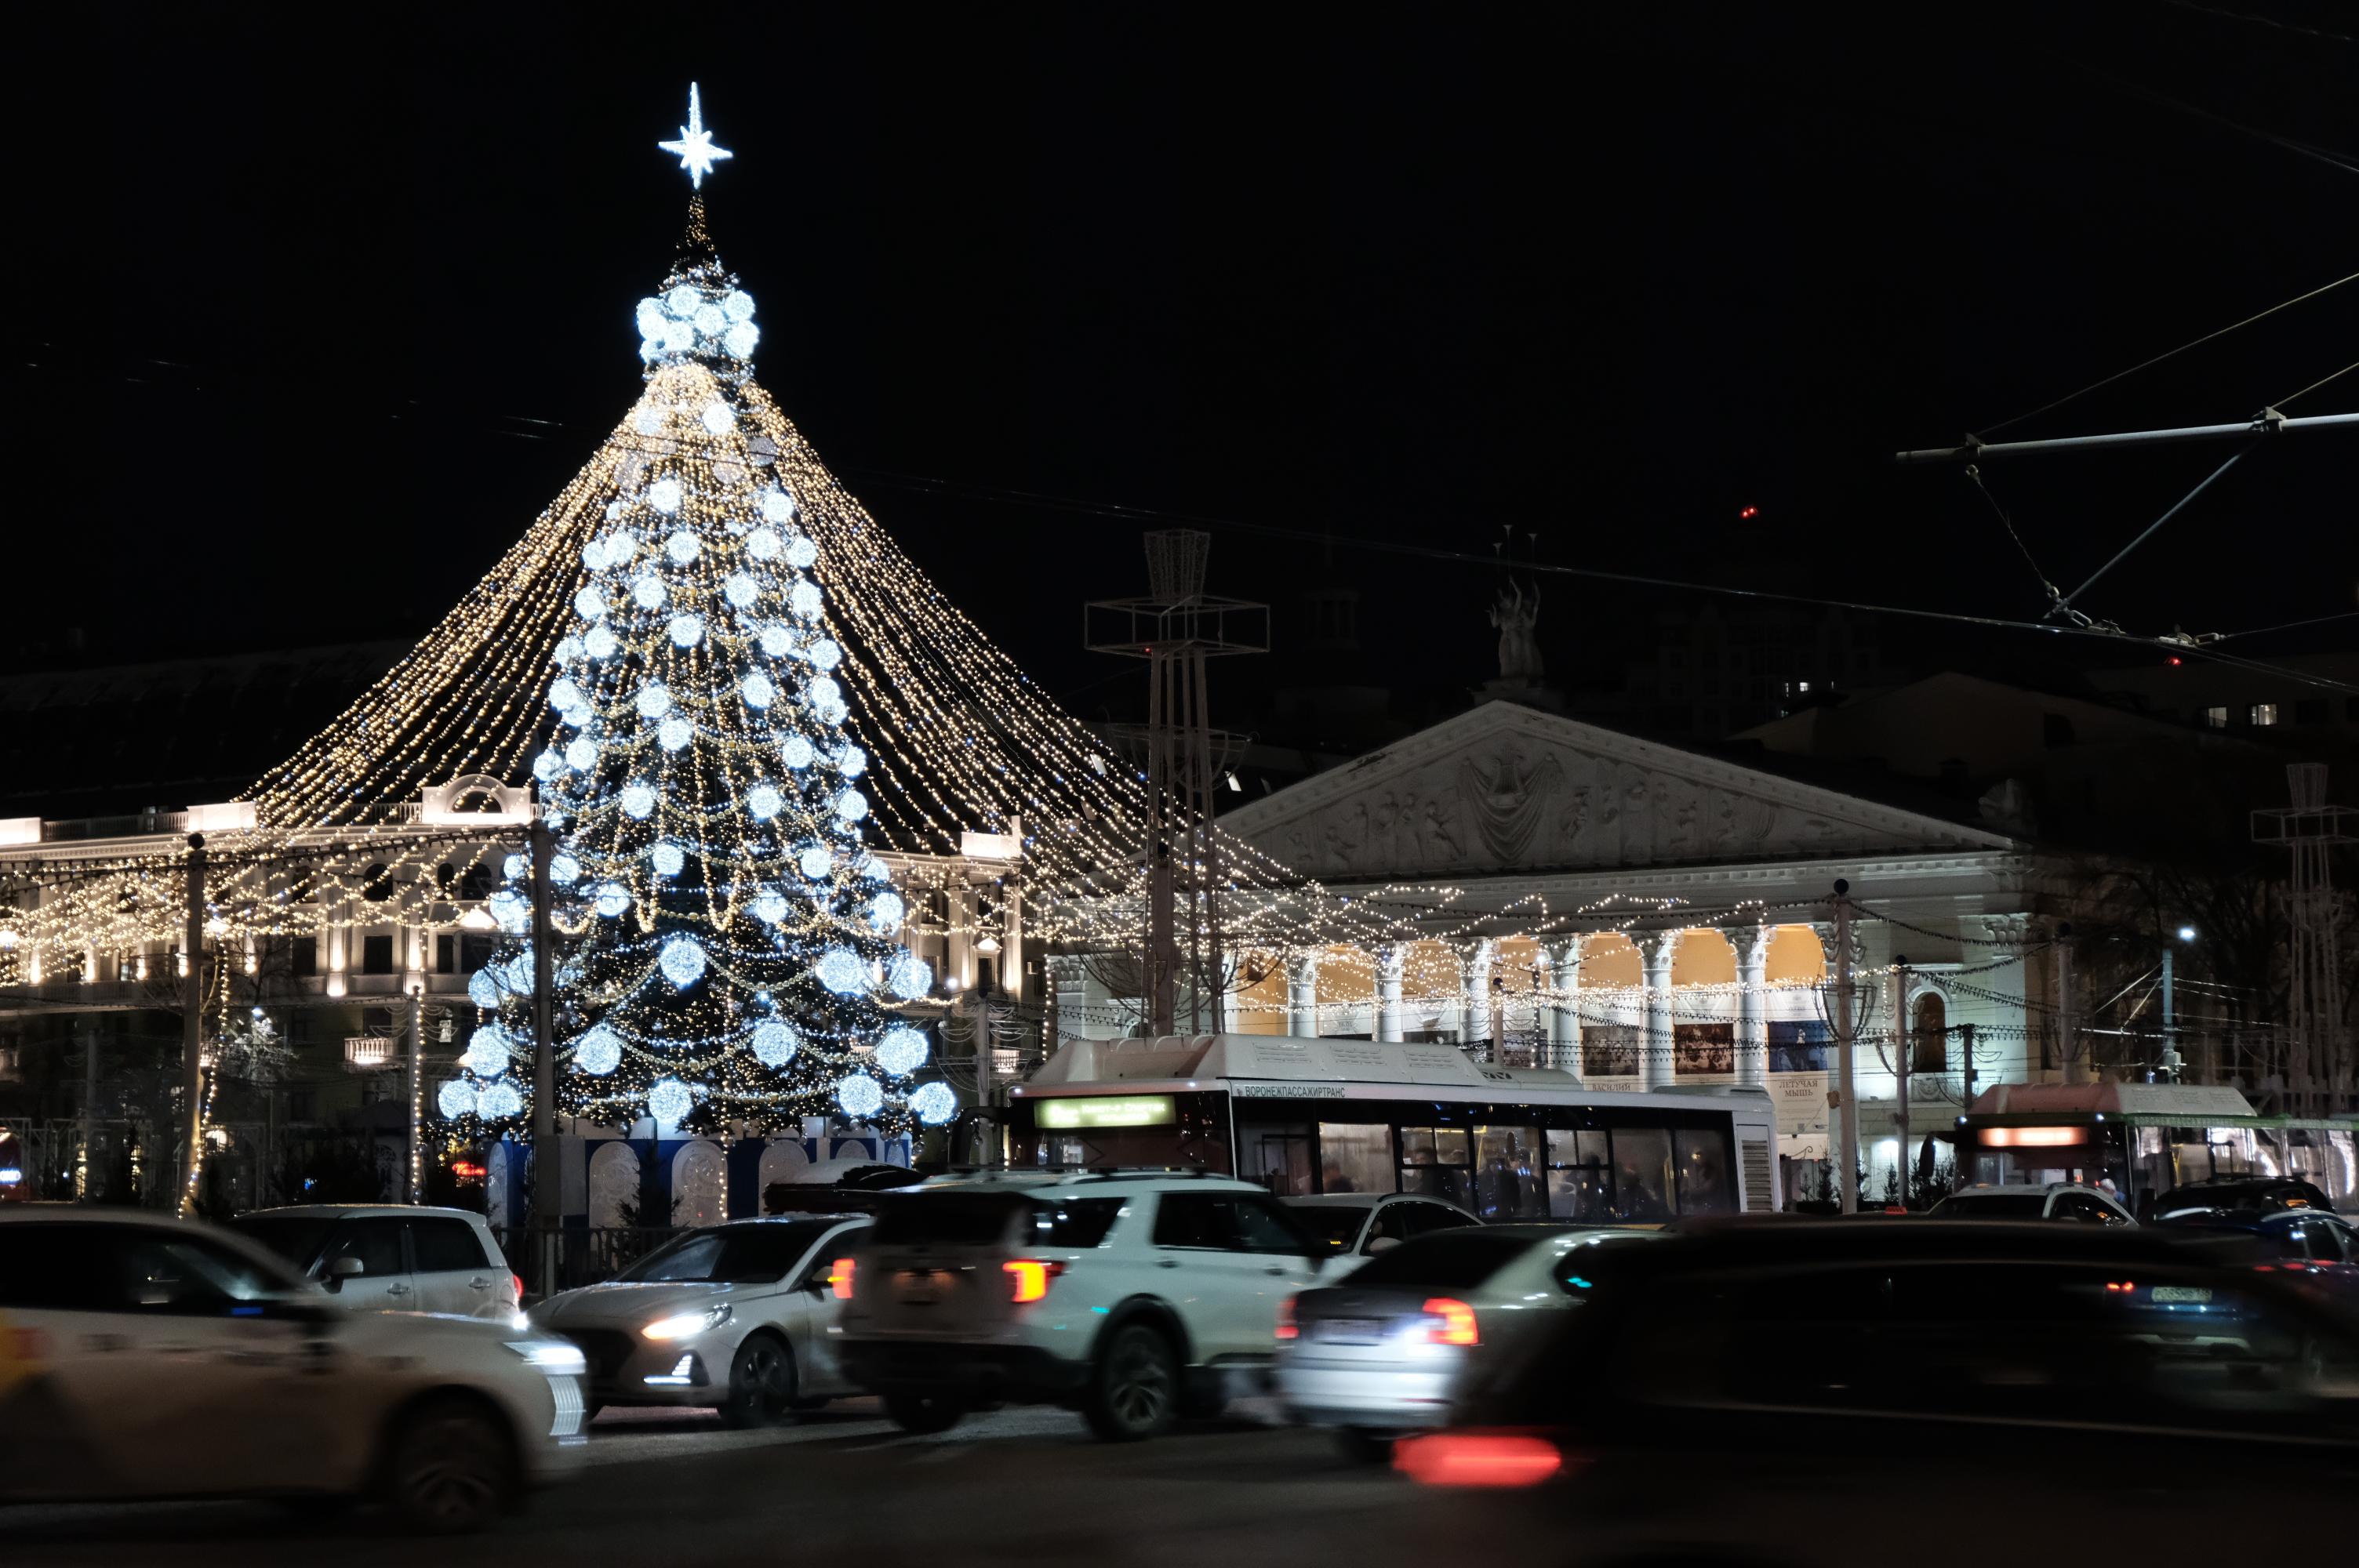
(317, 307)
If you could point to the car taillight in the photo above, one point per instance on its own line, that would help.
(1449, 1322)
(1286, 1326)
(838, 1279)
(1478, 1459)
(517, 1281)
(1028, 1278)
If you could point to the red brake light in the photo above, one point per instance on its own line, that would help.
(517, 1281)
(1477, 1459)
(838, 1279)
(1028, 1278)
(1456, 1326)
(1287, 1327)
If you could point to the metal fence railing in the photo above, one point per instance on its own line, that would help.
(578, 1257)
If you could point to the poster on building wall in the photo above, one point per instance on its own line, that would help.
(1609, 1051)
(1702, 1048)
(1799, 1045)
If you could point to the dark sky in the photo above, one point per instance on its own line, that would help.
(291, 277)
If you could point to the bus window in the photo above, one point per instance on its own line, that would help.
(1437, 1162)
(1354, 1157)
(1579, 1177)
(1643, 1184)
(1278, 1158)
(1704, 1186)
(1507, 1180)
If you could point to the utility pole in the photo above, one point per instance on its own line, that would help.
(1846, 1078)
(1903, 1045)
(192, 1025)
(548, 1181)
(86, 1168)
(2075, 1066)
(2170, 1064)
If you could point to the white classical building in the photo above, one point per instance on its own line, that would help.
(1642, 915)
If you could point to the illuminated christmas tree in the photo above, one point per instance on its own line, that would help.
(726, 943)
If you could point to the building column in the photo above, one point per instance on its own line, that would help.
(1564, 1010)
(1302, 992)
(1753, 1009)
(1655, 950)
(1068, 992)
(1392, 960)
(1475, 999)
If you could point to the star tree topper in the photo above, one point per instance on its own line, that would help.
(697, 153)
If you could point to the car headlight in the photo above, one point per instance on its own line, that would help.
(553, 1356)
(681, 1325)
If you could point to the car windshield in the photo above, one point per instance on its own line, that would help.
(757, 1254)
(2229, 1195)
(1336, 1225)
(1991, 1205)
(1459, 1260)
(294, 1237)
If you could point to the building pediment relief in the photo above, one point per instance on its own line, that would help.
(1507, 788)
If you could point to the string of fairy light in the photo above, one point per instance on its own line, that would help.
(958, 739)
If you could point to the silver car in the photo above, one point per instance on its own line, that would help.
(730, 1315)
(1356, 1227)
(1383, 1353)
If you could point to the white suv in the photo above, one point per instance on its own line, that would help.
(393, 1258)
(1129, 1296)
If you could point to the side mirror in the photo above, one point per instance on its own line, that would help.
(1380, 1244)
(339, 1269)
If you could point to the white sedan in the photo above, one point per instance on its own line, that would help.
(142, 1357)
(1356, 1227)
(731, 1316)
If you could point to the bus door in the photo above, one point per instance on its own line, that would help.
(1277, 1155)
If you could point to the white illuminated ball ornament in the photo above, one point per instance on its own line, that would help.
(797, 752)
(686, 630)
(716, 417)
(711, 323)
(501, 1099)
(764, 544)
(851, 761)
(770, 905)
(600, 643)
(582, 754)
(664, 495)
(683, 300)
(668, 858)
(779, 642)
(638, 800)
(590, 604)
(840, 971)
(757, 690)
(741, 591)
(564, 694)
(683, 962)
(851, 806)
(825, 654)
(817, 861)
(741, 338)
(802, 552)
(775, 1043)
(909, 976)
(647, 592)
(804, 599)
(546, 766)
(737, 305)
(777, 506)
(682, 546)
(859, 1096)
(564, 869)
(669, 1100)
(763, 802)
(598, 1052)
(933, 1104)
(483, 989)
(613, 899)
(654, 701)
(674, 733)
(885, 910)
(456, 1098)
(902, 1051)
(487, 1055)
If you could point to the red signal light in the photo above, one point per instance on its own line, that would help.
(1750, 511)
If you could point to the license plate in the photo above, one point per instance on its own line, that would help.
(1352, 1330)
(921, 1287)
(2166, 1294)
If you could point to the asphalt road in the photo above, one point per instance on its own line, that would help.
(1017, 1486)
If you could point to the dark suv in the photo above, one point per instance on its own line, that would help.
(2241, 1193)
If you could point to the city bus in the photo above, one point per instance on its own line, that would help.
(2149, 1138)
(1304, 1116)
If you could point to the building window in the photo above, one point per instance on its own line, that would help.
(2264, 713)
(446, 954)
(2215, 718)
(303, 959)
(376, 955)
(474, 952)
(2309, 710)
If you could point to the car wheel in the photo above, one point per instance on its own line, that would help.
(761, 1382)
(923, 1411)
(1135, 1391)
(1363, 1446)
(450, 1468)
